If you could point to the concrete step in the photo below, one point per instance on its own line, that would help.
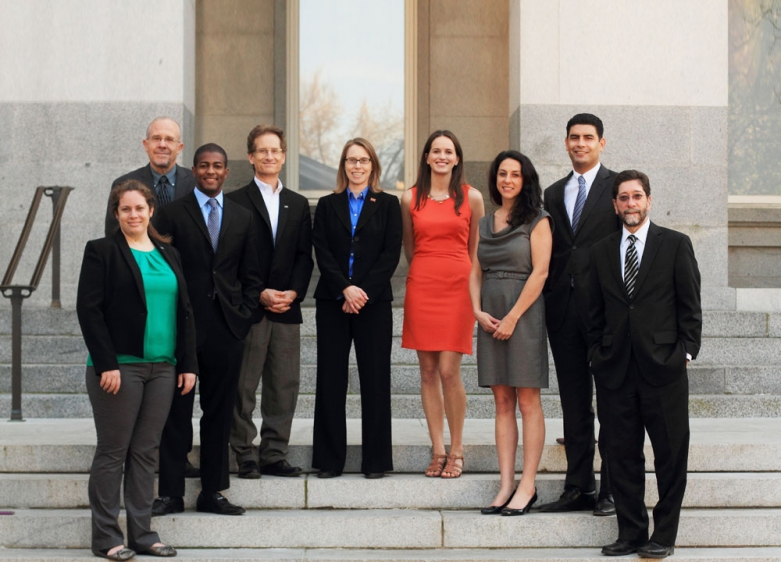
(396, 491)
(717, 445)
(391, 528)
(739, 554)
(407, 406)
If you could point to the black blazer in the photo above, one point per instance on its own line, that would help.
(287, 264)
(185, 183)
(233, 272)
(660, 324)
(377, 245)
(569, 265)
(111, 305)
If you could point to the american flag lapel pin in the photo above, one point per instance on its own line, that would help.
(372, 199)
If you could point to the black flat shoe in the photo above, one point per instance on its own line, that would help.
(217, 503)
(165, 551)
(167, 504)
(605, 506)
(571, 500)
(281, 468)
(620, 548)
(655, 550)
(190, 471)
(373, 475)
(497, 509)
(123, 553)
(328, 474)
(249, 470)
(507, 512)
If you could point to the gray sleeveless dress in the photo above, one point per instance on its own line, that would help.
(505, 258)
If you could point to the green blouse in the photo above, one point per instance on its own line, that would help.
(162, 292)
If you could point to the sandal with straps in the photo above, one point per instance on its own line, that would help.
(436, 465)
(452, 467)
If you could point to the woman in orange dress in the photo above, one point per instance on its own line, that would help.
(441, 215)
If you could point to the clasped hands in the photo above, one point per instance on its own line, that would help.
(501, 329)
(277, 301)
(354, 299)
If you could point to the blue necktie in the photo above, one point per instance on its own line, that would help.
(213, 224)
(579, 203)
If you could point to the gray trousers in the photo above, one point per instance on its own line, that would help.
(128, 425)
(271, 358)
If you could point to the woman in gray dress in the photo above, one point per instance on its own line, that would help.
(506, 289)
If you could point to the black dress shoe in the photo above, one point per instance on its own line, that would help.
(571, 500)
(121, 554)
(655, 550)
(190, 471)
(167, 504)
(249, 470)
(605, 506)
(165, 551)
(507, 512)
(373, 475)
(328, 474)
(620, 548)
(217, 503)
(281, 468)
(497, 509)
(560, 440)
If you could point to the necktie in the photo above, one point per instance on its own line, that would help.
(579, 203)
(213, 224)
(164, 191)
(630, 266)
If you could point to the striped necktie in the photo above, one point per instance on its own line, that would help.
(579, 203)
(630, 266)
(213, 224)
(164, 191)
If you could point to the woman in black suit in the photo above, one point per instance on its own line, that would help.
(138, 325)
(357, 240)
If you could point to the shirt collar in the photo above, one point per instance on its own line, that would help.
(590, 175)
(267, 188)
(641, 234)
(171, 175)
(203, 198)
(361, 195)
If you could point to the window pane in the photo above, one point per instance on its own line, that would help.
(351, 62)
(755, 97)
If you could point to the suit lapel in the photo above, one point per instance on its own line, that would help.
(284, 212)
(370, 205)
(191, 204)
(227, 217)
(147, 178)
(342, 209)
(179, 190)
(614, 257)
(257, 201)
(561, 208)
(131, 262)
(597, 188)
(652, 244)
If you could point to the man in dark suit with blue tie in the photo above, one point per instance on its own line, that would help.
(162, 175)
(216, 239)
(645, 326)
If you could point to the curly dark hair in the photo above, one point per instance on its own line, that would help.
(529, 202)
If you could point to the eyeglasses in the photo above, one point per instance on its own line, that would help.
(269, 151)
(355, 161)
(157, 139)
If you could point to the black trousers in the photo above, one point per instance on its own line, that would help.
(631, 410)
(219, 363)
(371, 330)
(569, 346)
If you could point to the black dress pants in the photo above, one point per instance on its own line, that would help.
(663, 411)
(371, 330)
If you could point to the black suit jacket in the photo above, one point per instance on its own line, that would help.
(111, 305)
(569, 265)
(286, 264)
(377, 245)
(660, 323)
(185, 183)
(233, 272)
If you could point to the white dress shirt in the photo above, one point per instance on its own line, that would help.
(271, 199)
(571, 189)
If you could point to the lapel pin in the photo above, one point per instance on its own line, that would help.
(372, 199)
(285, 206)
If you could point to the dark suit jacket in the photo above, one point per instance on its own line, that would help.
(569, 265)
(111, 305)
(233, 272)
(660, 324)
(185, 183)
(288, 263)
(377, 245)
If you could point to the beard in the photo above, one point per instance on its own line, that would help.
(634, 218)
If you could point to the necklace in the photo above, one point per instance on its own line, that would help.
(440, 201)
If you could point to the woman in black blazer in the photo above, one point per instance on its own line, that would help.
(357, 240)
(138, 326)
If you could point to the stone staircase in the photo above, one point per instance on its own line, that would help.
(732, 508)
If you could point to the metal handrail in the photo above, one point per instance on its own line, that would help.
(17, 293)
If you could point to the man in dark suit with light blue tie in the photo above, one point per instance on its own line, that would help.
(645, 326)
(216, 239)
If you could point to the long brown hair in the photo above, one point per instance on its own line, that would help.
(374, 178)
(146, 193)
(457, 179)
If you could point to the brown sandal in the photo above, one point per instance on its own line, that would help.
(436, 465)
(452, 467)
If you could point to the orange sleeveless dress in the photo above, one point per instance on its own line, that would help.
(437, 309)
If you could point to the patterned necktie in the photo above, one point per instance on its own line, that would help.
(213, 224)
(164, 191)
(579, 203)
(630, 266)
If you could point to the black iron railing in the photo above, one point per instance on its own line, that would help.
(17, 293)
